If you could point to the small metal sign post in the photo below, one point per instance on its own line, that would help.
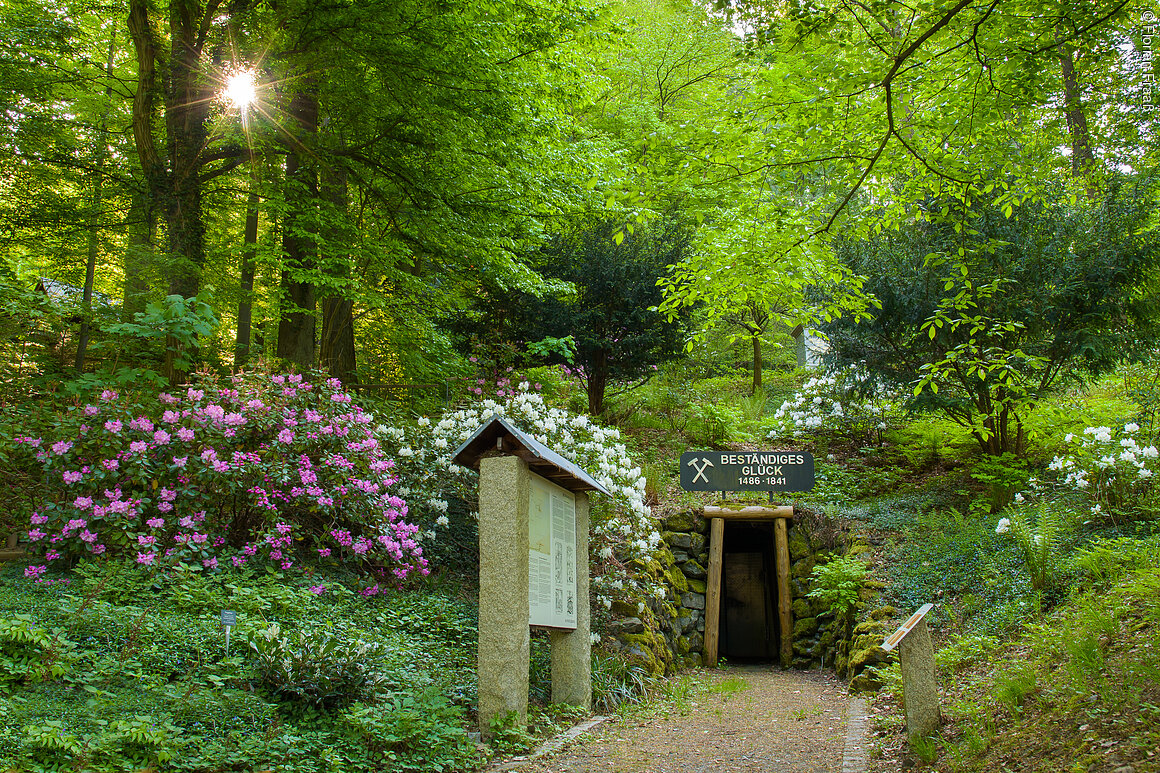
(919, 690)
(229, 620)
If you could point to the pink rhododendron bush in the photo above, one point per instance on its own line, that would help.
(260, 467)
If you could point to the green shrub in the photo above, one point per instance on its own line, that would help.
(836, 584)
(316, 668)
(422, 732)
(616, 681)
(30, 654)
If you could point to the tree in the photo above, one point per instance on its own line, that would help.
(611, 314)
(984, 311)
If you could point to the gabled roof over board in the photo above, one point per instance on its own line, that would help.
(499, 435)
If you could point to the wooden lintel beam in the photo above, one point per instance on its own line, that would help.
(751, 513)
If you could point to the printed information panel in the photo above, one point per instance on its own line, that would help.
(551, 555)
(747, 471)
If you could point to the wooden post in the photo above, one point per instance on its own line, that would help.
(713, 590)
(784, 602)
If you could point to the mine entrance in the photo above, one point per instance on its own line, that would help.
(749, 628)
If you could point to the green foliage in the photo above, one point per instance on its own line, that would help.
(836, 583)
(984, 313)
(317, 668)
(176, 321)
(1043, 531)
(617, 681)
(419, 732)
(509, 736)
(30, 653)
(1003, 475)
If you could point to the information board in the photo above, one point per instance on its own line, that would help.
(747, 471)
(551, 555)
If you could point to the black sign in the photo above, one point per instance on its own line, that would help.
(747, 471)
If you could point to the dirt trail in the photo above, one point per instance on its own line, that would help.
(779, 722)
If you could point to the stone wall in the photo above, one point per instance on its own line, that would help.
(668, 634)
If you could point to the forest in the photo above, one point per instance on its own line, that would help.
(264, 264)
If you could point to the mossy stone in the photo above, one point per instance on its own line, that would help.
(676, 580)
(803, 568)
(682, 645)
(677, 539)
(867, 656)
(697, 586)
(647, 649)
(804, 626)
(696, 543)
(694, 570)
(686, 521)
(870, 626)
(866, 681)
(799, 547)
(883, 613)
(802, 608)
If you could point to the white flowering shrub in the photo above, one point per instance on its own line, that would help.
(1112, 471)
(843, 402)
(623, 529)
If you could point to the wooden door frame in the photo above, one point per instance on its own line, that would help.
(717, 517)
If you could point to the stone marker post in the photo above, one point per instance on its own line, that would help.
(572, 650)
(504, 641)
(919, 690)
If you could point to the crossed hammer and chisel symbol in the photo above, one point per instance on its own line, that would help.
(700, 468)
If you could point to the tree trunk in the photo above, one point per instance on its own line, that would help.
(296, 327)
(757, 364)
(96, 202)
(141, 239)
(337, 352)
(1083, 160)
(597, 382)
(249, 259)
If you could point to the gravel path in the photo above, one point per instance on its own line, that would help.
(751, 719)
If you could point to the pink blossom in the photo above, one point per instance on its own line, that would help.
(285, 436)
(88, 536)
(141, 424)
(37, 518)
(110, 464)
(72, 476)
(238, 561)
(165, 507)
(108, 396)
(146, 558)
(97, 549)
(324, 552)
(179, 461)
(61, 447)
(144, 540)
(220, 466)
(167, 398)
(210, 563)
(36, 535)
(170, 417)
(91, 410)
(161, 437)
(33, 572)
(155, 523)
(137, 447)
(51, 555)
(215, 412)
(168, 494)
(114, 426)
(318, 590)
(194, 394)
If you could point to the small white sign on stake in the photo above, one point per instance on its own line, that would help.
(229, 620)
